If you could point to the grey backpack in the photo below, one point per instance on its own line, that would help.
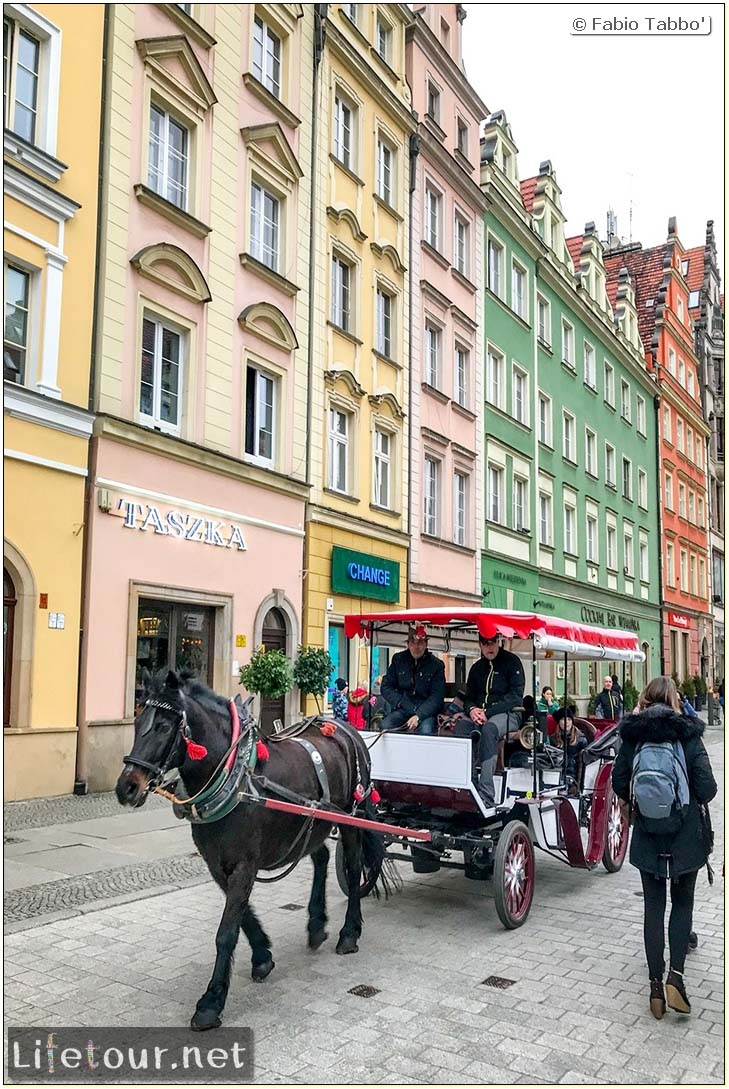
(659, 787)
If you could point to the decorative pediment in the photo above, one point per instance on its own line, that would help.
(341, 374)
(270, 324)
(270, 144)
(177, 69)
(171, 267)
(387, 400)
(346, 215)
(390, 253)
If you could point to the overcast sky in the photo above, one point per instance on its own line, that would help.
(618, 116)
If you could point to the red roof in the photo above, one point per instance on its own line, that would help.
(646, 274)
(695, 274)
(528, 187)
(574, 245)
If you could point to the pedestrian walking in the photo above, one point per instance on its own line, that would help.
(339, 699)
(608, 705)
(663, 770)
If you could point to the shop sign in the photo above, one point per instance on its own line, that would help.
(679, 620)
(358, 574)
(605, 618)
(186, 527)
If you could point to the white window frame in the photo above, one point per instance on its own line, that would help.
(520, 503)
(610, 466)
(679, 433)
(383, 42)
(668, 491)
(338, 441)
(264, 67)
(342, 293)
(460, 508)
(519, 375)
(592, 548)
(570, 528)
(461, 244)
(545, 419)
(640, 416)
(667, 425)
(495, 256)
(609, 379)
(519, 300)
(544, 321)
(160, 184)
(627, 478)
(611, 547)
(628, 552)
(691, 506)
(433, 222)
(262, 376)
(568, 344)
(431, 496)
(591, 452)
(670, 564)
(625, 401)
(546, 530)
(154, 419)
(344, 129)
(693, 575)
(569, 437)
(462, 137)
(495, 493)
(433, 354)
(461, 376)
(672, 362)
(48, 35)
(590, 366)
(432, 101)
(385, 171)
(690, 444)
(683, 570)
(384, 322)
(643, 560)
(495, 378)
(382, 462)
(261, 223)
(27, 346)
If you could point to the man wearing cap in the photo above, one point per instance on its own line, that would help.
(414, 686)
(495, 687)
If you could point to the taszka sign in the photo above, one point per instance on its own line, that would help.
(678, 620)
(186, 527)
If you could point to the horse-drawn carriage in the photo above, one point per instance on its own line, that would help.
(426, 784)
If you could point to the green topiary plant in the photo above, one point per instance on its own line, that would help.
(687, 689)
(699, 685)
(312, 670)
(630, 696)
(268, 674)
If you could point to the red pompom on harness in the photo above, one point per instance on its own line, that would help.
(195, 751)
(359, 793)
(262, 752)
(328, 729)
(375, 796)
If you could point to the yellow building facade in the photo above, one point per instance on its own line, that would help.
(53, 73)
(356, 553)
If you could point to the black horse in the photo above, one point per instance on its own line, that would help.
(175, 709)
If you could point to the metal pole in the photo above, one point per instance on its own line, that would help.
(534, 700)
(372, 671)
(623, 691)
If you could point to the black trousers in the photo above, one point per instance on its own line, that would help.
(679, 922)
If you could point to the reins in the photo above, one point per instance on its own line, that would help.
(186, 801)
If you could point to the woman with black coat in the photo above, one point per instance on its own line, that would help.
(677, 857)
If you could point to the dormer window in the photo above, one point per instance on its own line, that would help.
(507, 159)
(684, 267)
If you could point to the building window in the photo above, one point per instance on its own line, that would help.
(702, 516)
(545, 519)
(521, 504)
(21, 77)
(672, 362)
(628, 559)
(568, 344)
(590, 369)
(381, 469)
(689, 444)
(640, 415)
(592, 549)
(717, 572)
(570, 530)
(690, 376)
(460, 505)
(496, 267)
(433, 204)
(643, 561)
(495, 392)
(520, 396)
(341, 294)
(643, 489)
(667, 429)
(462, 137)
(16, 334)
(610, 465)
(350, 10)
(431, 496)
(670, 565)
(384, 40)
(702, 578)
(683, 563)
(265, 227)
(495, 497)
(461, 376)
(694, 299)
(624, 400)
(168, 157)
(627, 478)
(545, 419)
(692, 507)
(679, 434)
(611, 540)
(609, 377)
(266, 56)
(462, 245)
(681, 500)
(544, 325)
(343, 131)
(518, 290)
(385, 162)
(384, 323)
(590, 452)
(160, 393)
(432, 355)
(569, 445)
(260, 416)
(681, 373)
(692, 568)
(668, 491)
(680, 310)
(338, 450)
(433, 111)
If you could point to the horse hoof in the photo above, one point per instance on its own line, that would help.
(317, 939)
(260, 971)
(347, 945)
(204, 1019)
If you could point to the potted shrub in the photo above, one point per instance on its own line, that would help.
(688, 690)
(630, 696)
(268, 674)
(700, 690)
(312, 670)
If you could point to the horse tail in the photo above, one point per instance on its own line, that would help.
(380, 872)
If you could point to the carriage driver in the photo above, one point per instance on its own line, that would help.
(495, 687)
(414, 686)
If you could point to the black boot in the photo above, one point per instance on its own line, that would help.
(658, 999)
(676, 992)
(693, 941)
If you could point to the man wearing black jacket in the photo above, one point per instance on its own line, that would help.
(495, 687)
(414, 687)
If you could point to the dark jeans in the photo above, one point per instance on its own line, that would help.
(679, 923)
(396, 719)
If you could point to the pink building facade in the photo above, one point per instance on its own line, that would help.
(197, 476)
(447, 226)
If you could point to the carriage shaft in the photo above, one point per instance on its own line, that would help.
(345, 818)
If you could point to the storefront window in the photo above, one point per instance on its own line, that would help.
(338, 653)
(174, 636)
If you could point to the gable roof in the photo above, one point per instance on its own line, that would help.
(574, 245)
(646, 273)
(528, 188)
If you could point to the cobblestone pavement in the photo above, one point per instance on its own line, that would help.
(577, 1011)
(65, 809)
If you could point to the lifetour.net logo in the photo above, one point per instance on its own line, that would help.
(96, 1056)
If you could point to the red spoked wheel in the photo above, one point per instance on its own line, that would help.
(514, 875)
(617, 831)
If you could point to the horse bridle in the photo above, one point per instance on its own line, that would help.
(159, 771)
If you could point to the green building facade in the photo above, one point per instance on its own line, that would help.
(570, 470)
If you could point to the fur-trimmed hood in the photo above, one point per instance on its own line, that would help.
(659, 723)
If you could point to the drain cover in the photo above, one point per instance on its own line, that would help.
(363, 991)
(292, 907)
(498, 982)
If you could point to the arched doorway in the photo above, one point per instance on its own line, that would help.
(10, 601)
(273, 638)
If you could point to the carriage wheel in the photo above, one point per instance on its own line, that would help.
(369, 874)
(616, 835)
(514, 874)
